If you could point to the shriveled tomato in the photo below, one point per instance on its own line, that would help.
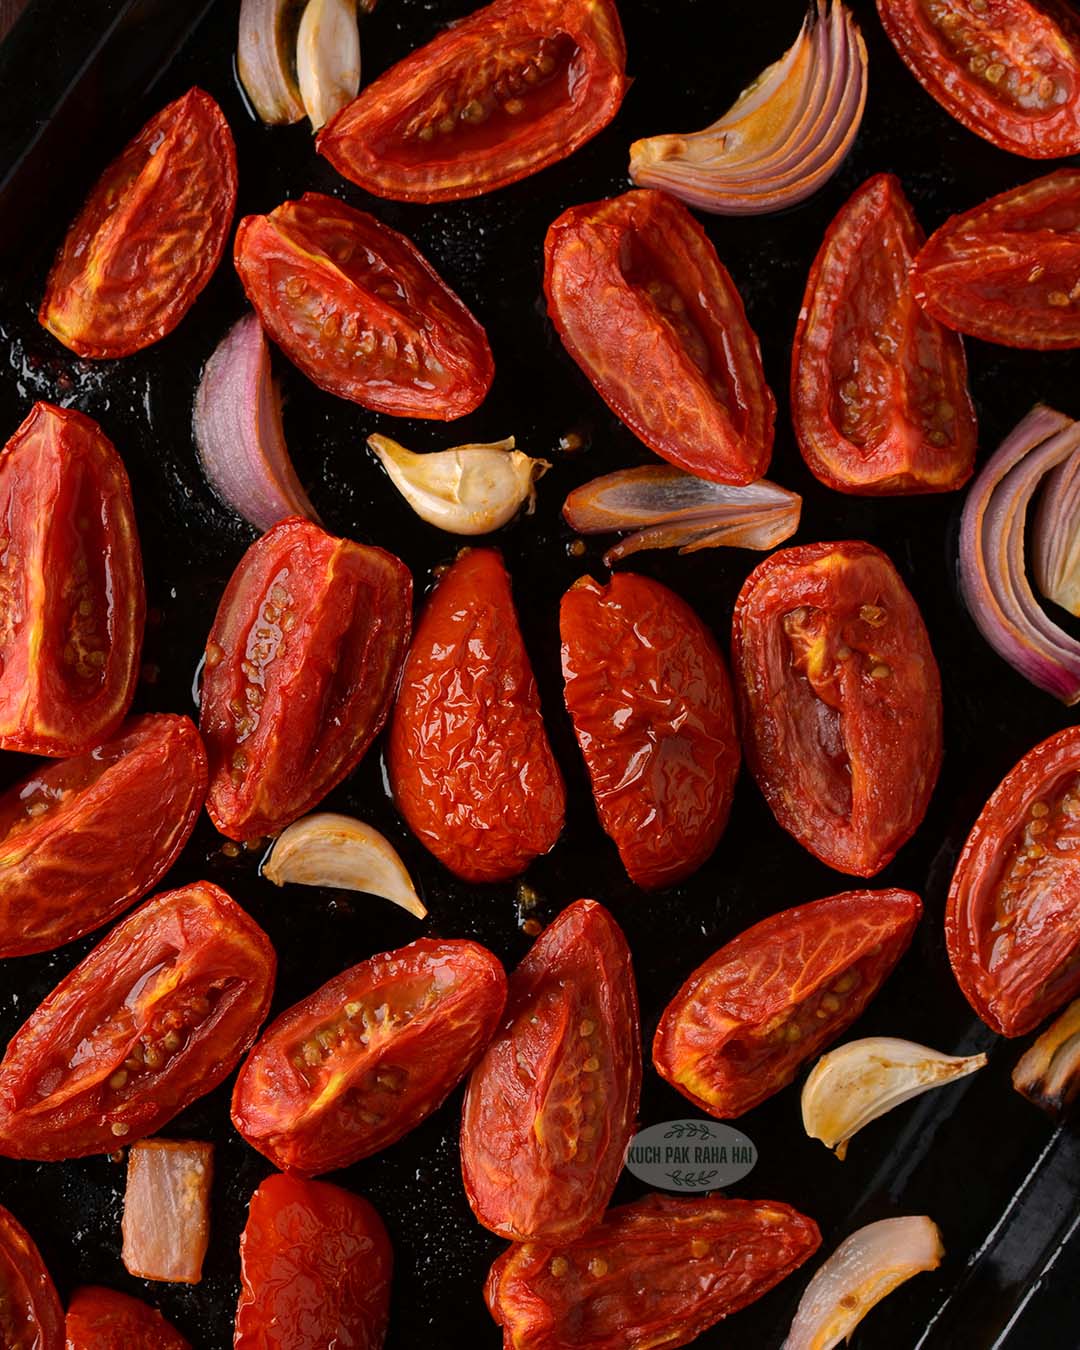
(31, 1317)
(105, 1319)
(743, 1022)
(72, 600)
(470, 765)
(315, 1268)
(155, 1017)
(879, 391)
(361, 311)
(648, 311)
(552, 1104)
(301, 665)
(658, 1272)
(150, 236)
(1006, 271)
(513, 88)
(1008, 70)
(354, 1066)
(840, 700)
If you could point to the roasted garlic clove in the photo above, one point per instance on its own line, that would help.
(265, 59)
(328, 58)
(1048, 1073)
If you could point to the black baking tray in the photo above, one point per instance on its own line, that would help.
(76, 81)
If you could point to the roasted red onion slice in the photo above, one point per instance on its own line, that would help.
(266, 58)
(1055, 553)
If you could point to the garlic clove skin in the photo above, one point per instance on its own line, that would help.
(1048, 1072)
(328, 58)
(326, 849)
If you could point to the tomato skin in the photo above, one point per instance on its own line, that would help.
(31, 1317)
(679, 364)
(97, 1066)
(657, 1272)
(301, 666)
(840, 701)
(170, 194)
(470, 764)
(650, 698)
(445, 999)
(361, 311)
(376, 140)
(105, 1319)
(879, 392)
(67, 676)
(540, 1154)
(723, 1040)
(315, 1269)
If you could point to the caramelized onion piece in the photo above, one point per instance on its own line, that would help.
(328, 58)
(1055, 553)
(264, 59)
(1048, 1073)
(166, 1223)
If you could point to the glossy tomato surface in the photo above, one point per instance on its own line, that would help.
(31, 1317)
(879, 392)
(650, 314)
(105, 1319)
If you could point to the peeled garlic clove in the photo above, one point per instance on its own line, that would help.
(326, 849)
(854, 1084)
(471, 489)
(1048, 1073)
(264, 59)
(328, 58)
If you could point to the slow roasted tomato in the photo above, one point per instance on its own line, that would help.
(82, 839)
(879, 392)
(359, 309)
(71, 586)
(513, 88)
(150, 236)
(31, 1317)
(650, 699)
(840, 700)
(301, 665)
(648, 311)
(155, 1017)
(1008, 70)
(1006, 271)
(354, 1066)
(104, 1319)
(470, 765)
(658, 1272)
(315, 1267)
(745, 1020)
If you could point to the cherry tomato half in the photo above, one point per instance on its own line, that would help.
(154, 1018)
(71, 586)
(361, 311)
(879, 391)
(470, 764)
(648, 311)
(301, 665)
(743, 1022)
(31, 1317)
(150, 236)
(353, 1067)
(105, 1319)
(658, 1272)
(840, 700)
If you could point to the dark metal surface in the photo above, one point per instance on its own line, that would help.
(77, 82)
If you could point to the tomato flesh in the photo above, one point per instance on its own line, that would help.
(31, 1317)
(105, 1319)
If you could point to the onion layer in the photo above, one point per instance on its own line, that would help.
(1056, 543)
(265, 59)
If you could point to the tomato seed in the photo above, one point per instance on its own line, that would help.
(559, 1266)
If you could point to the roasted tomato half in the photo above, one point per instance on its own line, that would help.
(315, 1268)
(361, 311)
(72, 601)
(879, 391)
(1008, 70)
(104, 1319)
(354, 1066)
(741, 1025)
(155, 1017)
(840, 700)
(150, 236)
(470, 765)
(1007, 270)
(658, 1272)
(648, 311)
(650, 699)
(31, 1317)
(301, 665)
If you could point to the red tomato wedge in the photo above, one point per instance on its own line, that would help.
(351, 1068)
(150, 236)
(551, 1107)
(104, 1319)
(31, 1317)
(743, 1022)
(648, 311)
(82, 839)
(301, 665)
(361, 311)
(499, 95)
(72, 600)
(1008, 70)
(879, 392)
(166, 1223)
(155, 1017)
